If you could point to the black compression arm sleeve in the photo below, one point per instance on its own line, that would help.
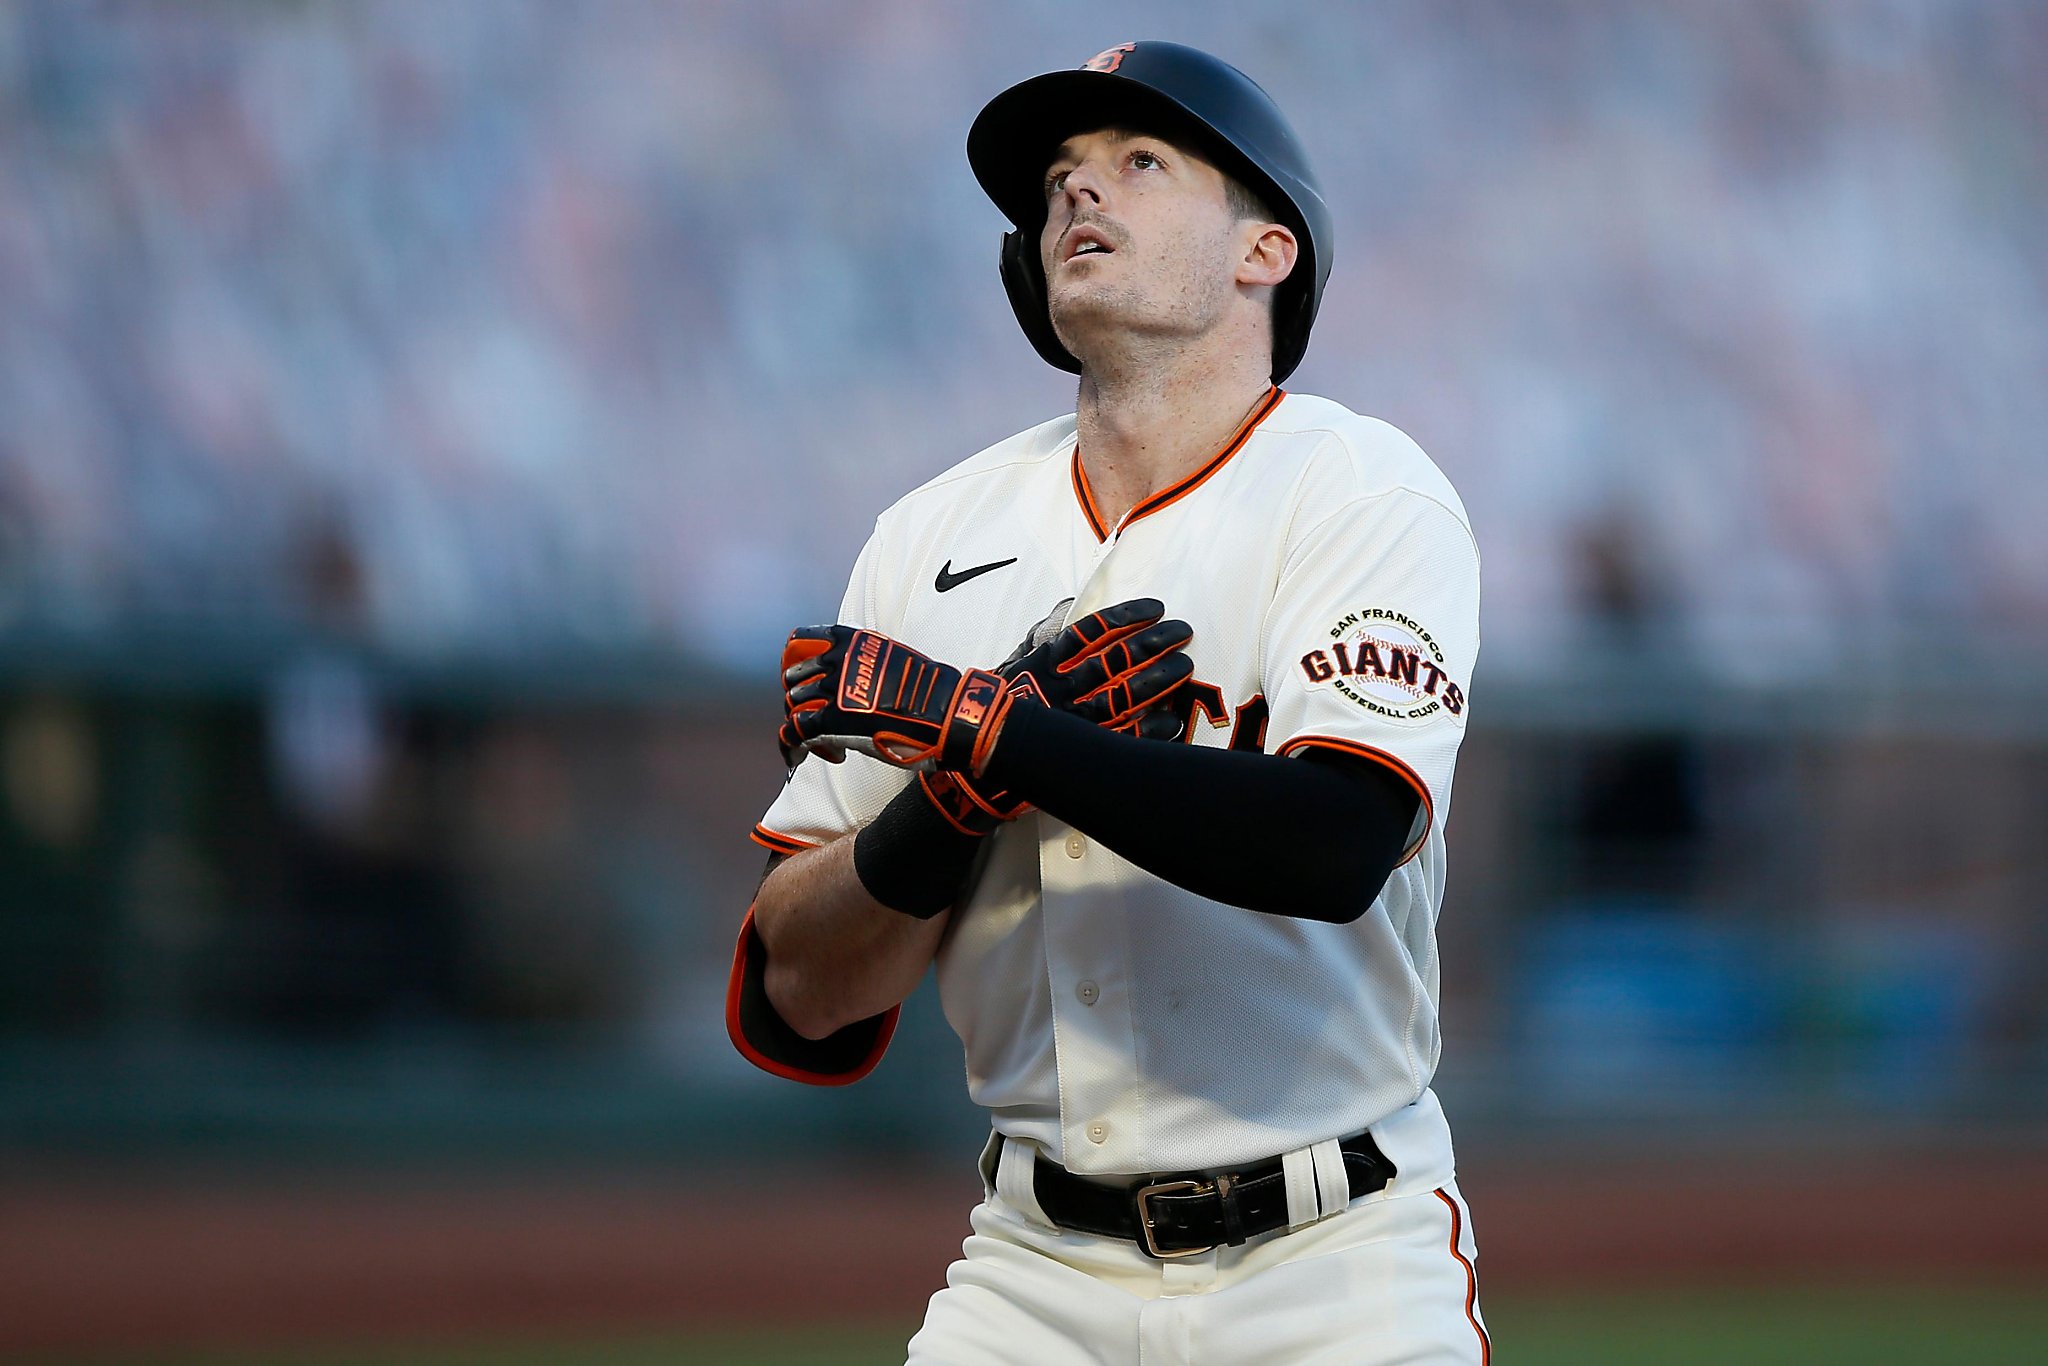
(1313, 838)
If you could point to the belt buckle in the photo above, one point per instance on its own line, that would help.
(1145, 1217)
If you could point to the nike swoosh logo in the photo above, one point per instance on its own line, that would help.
(948, 580)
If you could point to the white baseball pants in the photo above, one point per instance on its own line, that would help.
(1384, 1281)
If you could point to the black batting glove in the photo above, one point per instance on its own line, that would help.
(846, 688)
(1116, 668)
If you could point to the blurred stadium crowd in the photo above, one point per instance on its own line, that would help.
(608, 327)
(560, 344)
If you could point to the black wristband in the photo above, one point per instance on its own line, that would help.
(911, 858)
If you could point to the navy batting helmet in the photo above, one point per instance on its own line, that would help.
(1174, 92)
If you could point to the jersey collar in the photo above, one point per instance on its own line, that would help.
(1180, 489)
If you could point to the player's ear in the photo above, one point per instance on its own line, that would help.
(1270, 250)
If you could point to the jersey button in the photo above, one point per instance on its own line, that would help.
(1088, 992)
(1076, 846)
(1098, 1132)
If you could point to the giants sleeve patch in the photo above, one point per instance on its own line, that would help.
(1389, 664)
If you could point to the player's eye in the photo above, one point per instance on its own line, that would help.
(1144, 161)
(1054, 183)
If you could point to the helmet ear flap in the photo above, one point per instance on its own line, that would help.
(1292, 319)
(1024, 282)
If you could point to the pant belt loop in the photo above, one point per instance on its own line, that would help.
(1014, 1172)
(1299, 1168)
(1333, 1183)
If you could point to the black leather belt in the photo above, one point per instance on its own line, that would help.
(1181, 1216)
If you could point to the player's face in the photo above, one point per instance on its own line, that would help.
(1139, 237)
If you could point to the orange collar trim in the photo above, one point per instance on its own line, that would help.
(1173, 493)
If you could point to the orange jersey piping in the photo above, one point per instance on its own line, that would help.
(1086, 497)
(1174, 492)
(1384, 760)
(1471, 1279)
(777, 842)
(789, 1071)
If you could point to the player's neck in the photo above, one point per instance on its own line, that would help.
(1141, 428)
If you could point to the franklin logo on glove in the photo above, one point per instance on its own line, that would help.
(859, 692)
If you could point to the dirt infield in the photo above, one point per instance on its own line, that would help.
(161, 1263)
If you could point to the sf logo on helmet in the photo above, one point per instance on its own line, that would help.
(1109, 59)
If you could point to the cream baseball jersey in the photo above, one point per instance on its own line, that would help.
(1121, 1023)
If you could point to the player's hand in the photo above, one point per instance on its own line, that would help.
(1117, 668)
(845, 688)
(1113, 668)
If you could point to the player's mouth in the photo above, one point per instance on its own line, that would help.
(1084, 240)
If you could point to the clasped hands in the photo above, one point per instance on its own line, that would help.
(848, 688)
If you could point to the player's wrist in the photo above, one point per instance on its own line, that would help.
(1009, 700)
(912, 858)
(973, 720)
(1024, 728)
(969, 805)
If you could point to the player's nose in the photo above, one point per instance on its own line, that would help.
(1083, 186)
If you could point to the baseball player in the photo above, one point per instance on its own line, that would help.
(1140, 726)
